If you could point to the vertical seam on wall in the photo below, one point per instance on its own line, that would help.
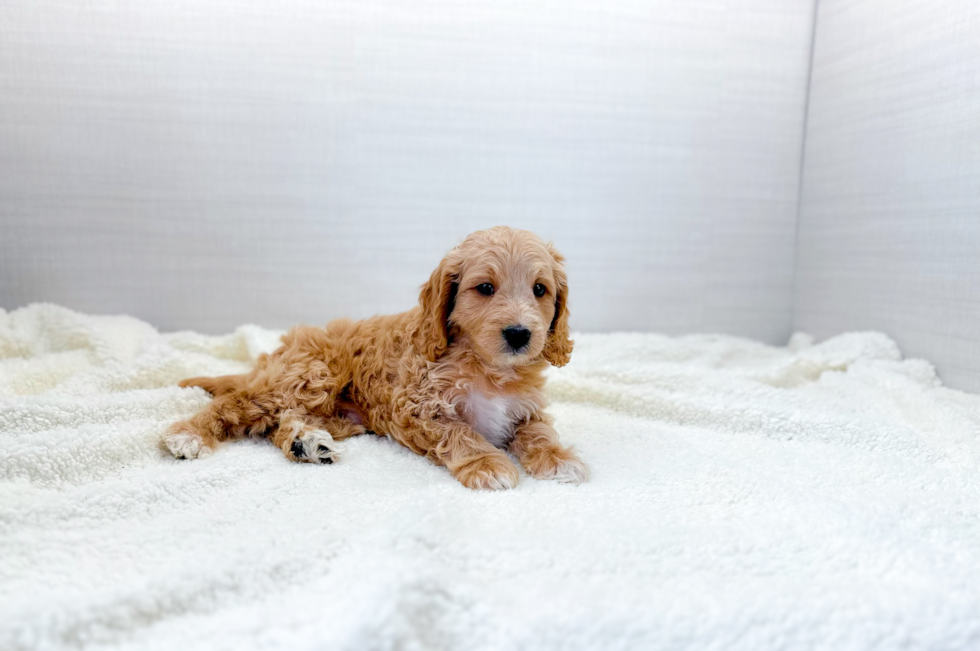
(800, 178)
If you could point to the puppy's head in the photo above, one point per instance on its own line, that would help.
(505, 292)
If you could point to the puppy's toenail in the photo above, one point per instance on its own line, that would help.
(297, 449)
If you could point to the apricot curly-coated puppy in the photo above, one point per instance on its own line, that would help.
(458, 379)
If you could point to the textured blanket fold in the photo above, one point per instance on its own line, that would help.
(821, 495)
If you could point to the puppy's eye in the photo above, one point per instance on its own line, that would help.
(485, 288)
(539, 290)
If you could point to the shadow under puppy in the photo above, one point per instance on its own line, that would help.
(457, 379)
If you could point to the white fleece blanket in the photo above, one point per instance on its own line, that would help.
(820, 496)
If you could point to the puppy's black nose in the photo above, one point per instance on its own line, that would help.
(517, 337)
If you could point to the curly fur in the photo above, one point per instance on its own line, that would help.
(413, 376)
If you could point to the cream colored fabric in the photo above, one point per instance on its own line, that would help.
(742, 497)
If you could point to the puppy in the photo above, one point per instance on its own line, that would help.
(457, 379)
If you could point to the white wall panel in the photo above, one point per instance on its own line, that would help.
(890, 227)
(202, 164)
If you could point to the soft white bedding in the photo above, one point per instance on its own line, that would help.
(742, 497)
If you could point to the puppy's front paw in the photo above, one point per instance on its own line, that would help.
(557, 464)
(186, 445)
(488, 472)
(310, 445)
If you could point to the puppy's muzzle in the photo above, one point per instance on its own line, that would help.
(517, 337)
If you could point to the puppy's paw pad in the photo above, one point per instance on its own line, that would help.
(298, 450)
(185, 445)
(315, 446)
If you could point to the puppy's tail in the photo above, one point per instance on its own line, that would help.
(216, 386)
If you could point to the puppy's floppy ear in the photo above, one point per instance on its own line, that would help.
(558, 347)
(437, 300)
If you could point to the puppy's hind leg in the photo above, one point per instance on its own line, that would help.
(185, 443)
(216, 386)
(228, 416)
(311, 439)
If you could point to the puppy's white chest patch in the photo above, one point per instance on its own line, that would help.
(494, 418)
